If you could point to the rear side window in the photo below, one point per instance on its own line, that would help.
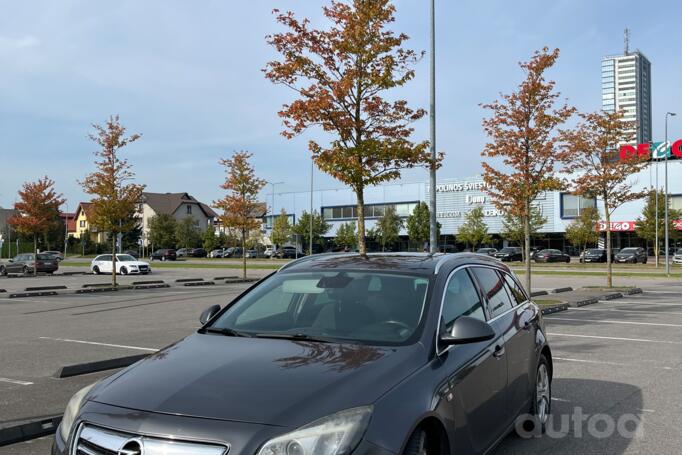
(461, 299)
(494, 288)
(514, 289)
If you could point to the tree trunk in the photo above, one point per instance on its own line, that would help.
(361, 221)
(244, 253)
(35, 255)
(526, 246)
(113, 259)
(609, 268)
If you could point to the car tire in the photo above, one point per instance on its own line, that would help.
(163, 258)
(24, 271)
(634, 261)
(541, 400)
(123, 271)
(417, 444)
(3, 272)
(95, 270)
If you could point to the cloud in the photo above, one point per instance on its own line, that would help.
(11, 43)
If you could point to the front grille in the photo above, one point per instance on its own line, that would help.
(92, 440)
(143, 268)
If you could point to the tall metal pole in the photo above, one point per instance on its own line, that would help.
(272, 215)
(658, 226)
(433, 226)
(310, 233)
(667, 234)
(66, 228)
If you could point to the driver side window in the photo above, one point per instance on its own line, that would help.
(461, 299)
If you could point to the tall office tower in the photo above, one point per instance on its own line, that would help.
(626, 84)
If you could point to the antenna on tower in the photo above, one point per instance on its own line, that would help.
(627, 41)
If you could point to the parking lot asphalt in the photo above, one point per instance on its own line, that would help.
(618, 358)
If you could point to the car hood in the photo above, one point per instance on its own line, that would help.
(265, 381)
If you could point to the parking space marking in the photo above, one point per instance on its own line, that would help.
(627, 311)
(122, 346)
(598, 362)
(15, 381)
(637, 302)
(608, 321)
(641, 340)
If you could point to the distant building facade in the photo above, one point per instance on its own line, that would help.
(177, 205)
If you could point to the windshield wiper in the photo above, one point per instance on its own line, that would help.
(226, 331)
(293, 336)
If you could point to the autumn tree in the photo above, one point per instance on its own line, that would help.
(302, 227)
(584, 230)
(418, 223)
(388, 227)
(341, 76)
(514, 228)
(523, 132)
(187, 233)
(346, 236)
(473, 231)
(37, 211)
(281, 229)
(210, 240)
(645, 226)
(114, 197)
(162, 228)
(596, 169)
(240, 205)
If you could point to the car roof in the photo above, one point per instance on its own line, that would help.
(419, 263)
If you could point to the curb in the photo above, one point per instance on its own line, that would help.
(30, 430)
(135, 283)
(198, 283)
(100, 365)
(44, 288)
(555, 308)
(538, 293)
(151, 286)
(17, 295)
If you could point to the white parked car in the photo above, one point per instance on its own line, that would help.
(125, 264)
(269, 251)
(677, 258)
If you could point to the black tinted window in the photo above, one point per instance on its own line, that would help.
(494, 289)
(514, 289)
(461, 299)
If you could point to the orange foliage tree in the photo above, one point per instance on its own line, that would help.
(523, 132)
(114, 198)
(596, 168)
(37, 210)
(340, 76)
(240, 206)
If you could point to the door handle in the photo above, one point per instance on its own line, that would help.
(498, 352)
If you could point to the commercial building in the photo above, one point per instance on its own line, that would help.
(626, 85)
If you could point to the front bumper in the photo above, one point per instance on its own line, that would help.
(239, 437)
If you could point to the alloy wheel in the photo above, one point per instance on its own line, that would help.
(542, 394)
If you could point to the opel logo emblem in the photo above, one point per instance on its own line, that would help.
(133, 446)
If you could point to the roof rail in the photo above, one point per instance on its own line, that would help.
(304, 259)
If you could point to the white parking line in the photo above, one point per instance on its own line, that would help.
(607, 321)
(626, 311)
(15, 381)
(598, 362)
(100, 344)
(641, 340)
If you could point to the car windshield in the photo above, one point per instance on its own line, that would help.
(679, 251)
(628, 250)
(360, 307)
(508, 250)
(594, 251)
(45, 256)
(125, 258)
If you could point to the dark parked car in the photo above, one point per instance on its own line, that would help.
(198, 253)
(183, 252)
(509, 254)
(488, 251)
(26, 263)
(132, 253)
(58, 255)
(163, 255)
(552, 256)
(288, 252)
(631, 255)
(335, 354)
(594, 255)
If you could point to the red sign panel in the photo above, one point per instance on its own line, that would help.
(643, 151)
(629, 226)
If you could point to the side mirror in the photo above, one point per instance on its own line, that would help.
(11, 260)
(468, 330)
(208, 314)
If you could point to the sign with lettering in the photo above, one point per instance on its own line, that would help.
(652, 151)
(456, 187)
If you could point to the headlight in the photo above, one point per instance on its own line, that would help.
(71, 411)
(337, 434)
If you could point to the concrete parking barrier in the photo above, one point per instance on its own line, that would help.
(218, 278)
(188, 280)
(29, 430)
(612, 296)
(16, 295)
(3, 290)
(242, 280)
(151, 286)
(44, 288)
(100, 365)
(73, 273)
(538, 293)
(634, 291)
(102, 289)
(135, 283)
(560, 290)
(555, 308)
(586, 302)
(198, 283)
(95, 285)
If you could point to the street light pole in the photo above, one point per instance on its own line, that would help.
(272, 215)
(433, 226)
(667, 234)
(66, 227)
(657, 249)
(310, 233)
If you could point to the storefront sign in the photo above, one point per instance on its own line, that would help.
(456, 187)
(649, 151)
(629, 226)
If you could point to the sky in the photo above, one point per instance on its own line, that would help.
(187, 76)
